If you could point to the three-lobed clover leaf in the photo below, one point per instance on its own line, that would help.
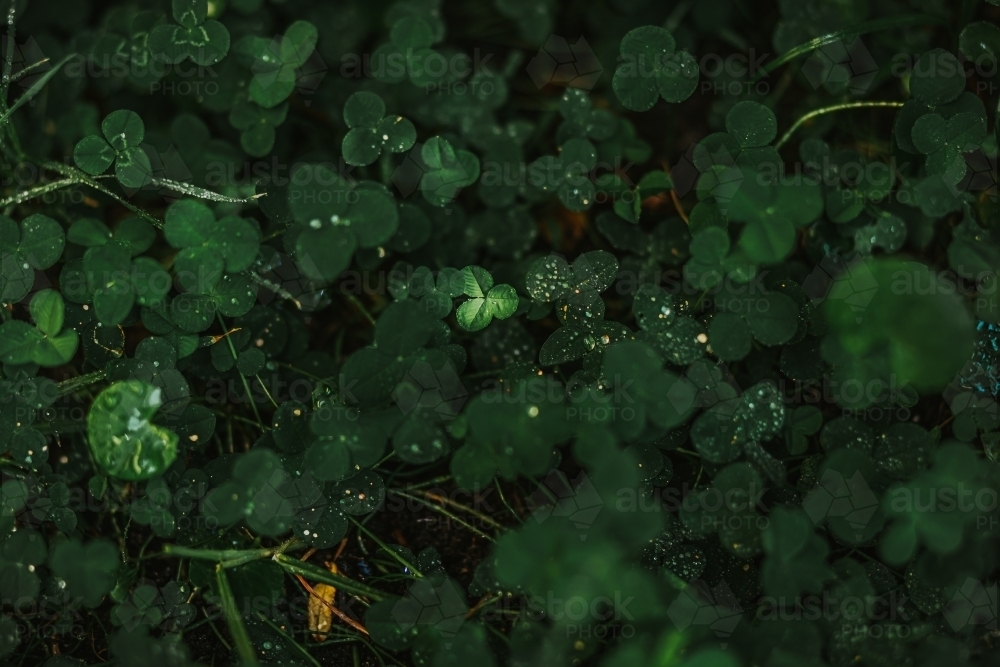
(371, 130)
(124, 441)
(333, 218)
(46, 343)
(568, 174)
(408, 54)
(652, 68)
(208, 246)
(944, 141)
(109, 275)
(257, 125)
(275, 63)
(486, 300)
(680, 340)
(123, 132)
(582, 120)
(448, 170)
(36, 244)
(112, 49)
(205, 42)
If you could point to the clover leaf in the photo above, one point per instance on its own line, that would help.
(87, 570)
(112, 49)
(208, 246)
(205, 42)
(123, 132)
(771, 210)
(257, 125)
(652, 68)
(486, 300)
(123, 440)
(407, 54)
(109, 277)
(923, 337)
(448, 171)
(275, 63)
(45, 344)
(582, 120)
(91, 232)
(36, 244)
(371, 130)
(937, 78)
(771, 318)
(568, 174)
(680, 340)
(333, 218)
(796, 555)
(575, 291)
(944, 141)
(955, 466)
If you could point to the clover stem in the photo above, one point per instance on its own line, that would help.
(246, 385)
(360, 306)
(836, 107)
(392, 552)
(442, 511)
(503, 499)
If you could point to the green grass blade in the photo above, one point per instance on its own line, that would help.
(851, 32)
(234, 619)
(36, 87)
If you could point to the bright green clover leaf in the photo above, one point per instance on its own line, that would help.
(204, 42)
(653, 68)
(36, 244)
(333, 218)
(486, 300)
(208, 246)
(45, 344)
(371, 130)
(123, 132)
(944, 141)
(275, 63)
(123, 440)
(567, 174)
(447, 171)
(257, 125)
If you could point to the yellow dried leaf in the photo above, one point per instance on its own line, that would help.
(320, 612)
